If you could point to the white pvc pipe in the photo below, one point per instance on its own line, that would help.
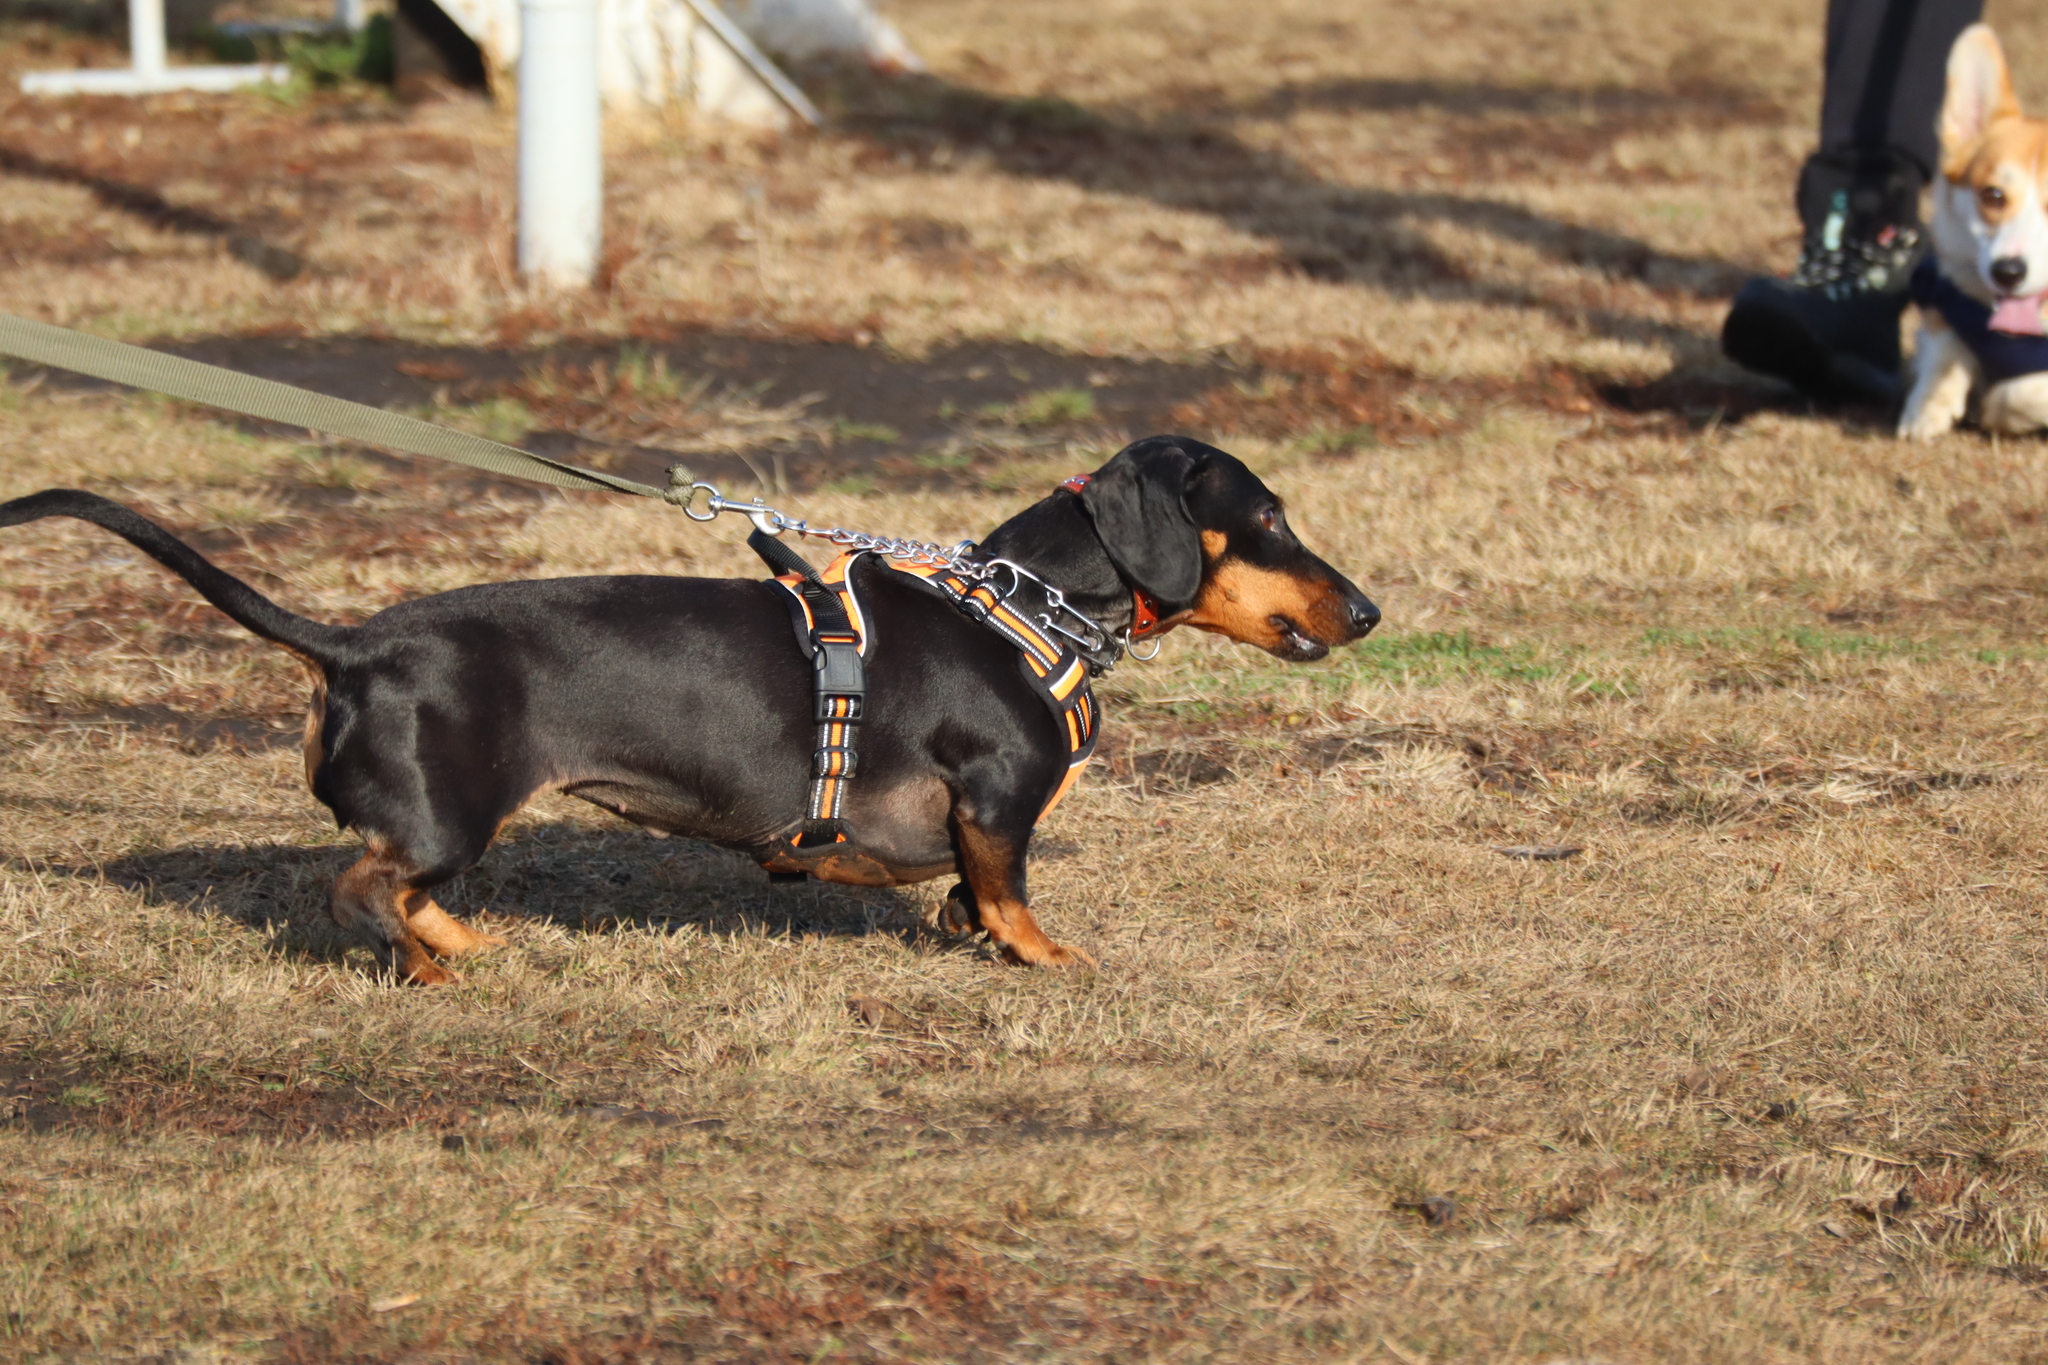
(146, 37)
(561, 171)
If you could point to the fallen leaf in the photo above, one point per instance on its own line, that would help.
(394, 1303)
(1543, 853)
(446, 371)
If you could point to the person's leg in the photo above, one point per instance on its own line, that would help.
(1887, 63)
(1832, 329)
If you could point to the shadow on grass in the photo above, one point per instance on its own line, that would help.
(572, 875)
(152, 208)
(1325, 230)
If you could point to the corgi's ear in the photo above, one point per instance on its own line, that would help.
(1979, 94)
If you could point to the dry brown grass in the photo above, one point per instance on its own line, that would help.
(1756, 1077)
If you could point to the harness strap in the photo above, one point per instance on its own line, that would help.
(1055, 670)
(2002, 355)
(832, 631)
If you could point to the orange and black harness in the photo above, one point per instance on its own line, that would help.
(832, 629)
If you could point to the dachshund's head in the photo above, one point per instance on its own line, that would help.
(1191, 526)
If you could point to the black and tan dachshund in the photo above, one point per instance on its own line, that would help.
(685, 705)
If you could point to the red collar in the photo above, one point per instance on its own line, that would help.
(1144, 606)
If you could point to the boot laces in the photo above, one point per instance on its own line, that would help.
(1839, 266)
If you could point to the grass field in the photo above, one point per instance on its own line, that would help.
(1758, 1076)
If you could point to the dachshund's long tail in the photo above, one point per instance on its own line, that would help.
(323, 644)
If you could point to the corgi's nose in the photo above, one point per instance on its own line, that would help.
(2008, 271)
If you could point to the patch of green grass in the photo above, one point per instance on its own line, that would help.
(865, 431)
(1802, 639)
(647, 376)
(1431, 656)
(83, 1096)
(945, 461)
(1259, 683)
(1050, 407)
(497, 419)
(1325, 441)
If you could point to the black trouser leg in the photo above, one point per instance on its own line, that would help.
(1832, 329)
(1887, 62)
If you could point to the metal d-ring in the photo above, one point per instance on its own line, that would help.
(1131, 648)
(713, 503)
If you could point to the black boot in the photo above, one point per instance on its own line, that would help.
(1832, 330)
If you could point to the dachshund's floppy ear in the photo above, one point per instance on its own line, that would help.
(1139, 504)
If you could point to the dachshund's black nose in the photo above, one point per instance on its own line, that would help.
(1364, 615)
(2008, 271)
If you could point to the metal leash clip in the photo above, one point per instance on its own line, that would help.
(765, 518)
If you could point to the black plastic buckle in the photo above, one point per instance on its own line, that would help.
(823, 834)
(841, 675)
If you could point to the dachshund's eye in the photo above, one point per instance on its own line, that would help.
(1272, 520)
(1991, 197)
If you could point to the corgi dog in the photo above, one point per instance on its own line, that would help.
(1982, 287)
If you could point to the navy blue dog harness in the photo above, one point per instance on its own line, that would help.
(2002, 355)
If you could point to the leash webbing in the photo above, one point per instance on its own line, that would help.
(197, 382)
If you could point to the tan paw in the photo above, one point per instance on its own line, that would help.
(1046, 953)
(446, 936)
(427, 972)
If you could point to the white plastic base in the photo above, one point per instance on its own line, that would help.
(122, 80)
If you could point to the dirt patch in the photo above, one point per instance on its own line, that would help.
(867, 409)
(855, 410)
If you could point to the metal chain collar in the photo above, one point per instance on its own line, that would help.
(1093, 641)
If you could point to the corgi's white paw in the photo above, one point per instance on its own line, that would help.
(2018, 406)
(1942, 374)
(1925, 421)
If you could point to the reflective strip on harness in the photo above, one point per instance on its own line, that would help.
(840, 691)
(1059, 675)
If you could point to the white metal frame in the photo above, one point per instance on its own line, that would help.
(147, 71)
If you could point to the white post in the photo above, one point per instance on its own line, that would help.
(561, 172)
(146, 38)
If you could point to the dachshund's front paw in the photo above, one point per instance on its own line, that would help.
(1063, 956)
(1046, 953)
(446, 936)
(424, 971)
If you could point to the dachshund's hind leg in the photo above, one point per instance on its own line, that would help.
(377, 901)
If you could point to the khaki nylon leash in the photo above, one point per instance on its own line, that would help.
(233, 391)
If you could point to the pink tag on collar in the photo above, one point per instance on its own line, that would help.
(2019, 317)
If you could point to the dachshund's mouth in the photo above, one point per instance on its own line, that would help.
(1295, 644)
